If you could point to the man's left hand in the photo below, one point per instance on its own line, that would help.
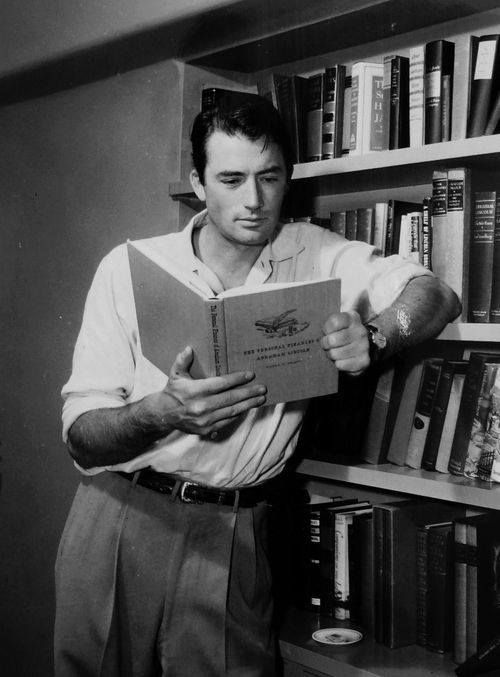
(346, 342)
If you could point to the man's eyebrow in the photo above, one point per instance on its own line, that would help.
(268, 170)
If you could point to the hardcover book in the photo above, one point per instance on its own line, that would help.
(481, 255)
(439, 66)
(399, 123)
(467, 433)
(484, 84)
(460, 588)
(314, 117)
(417, 96)
(333, 111)
(440, 587)
(495, 267)
(490, 451)
(273, 329)
(450, 420)
(366, 108)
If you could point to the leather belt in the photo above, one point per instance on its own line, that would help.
(190, 492)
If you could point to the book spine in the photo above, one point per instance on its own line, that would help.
(374, 450)
(460, 588)
(351, 224)
(467, 410)
(495, 273)
(364, 228)
(481, 255)
(355, 114)
(416, 96)
(439, 56)
(380, 226)
(379, 519)
(376, 113)
(386, 101)
(314, 117)
(217, 336)
(440, 589)
(437, 416)
(426, 239)
(404, 419)
(342, 612)
(485, 56)
(422, 537)
(346, 115)
(491, 443)
(333, 118)
(450, 421)
(338, 223)
(471, 644)
(423, 410)
(399, 131)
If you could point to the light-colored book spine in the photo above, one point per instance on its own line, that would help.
(366, 108)
(450, 421)
(417, 96)
(342, 521)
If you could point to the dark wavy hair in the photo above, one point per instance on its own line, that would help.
(252, 116)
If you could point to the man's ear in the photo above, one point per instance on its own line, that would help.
(197, 185)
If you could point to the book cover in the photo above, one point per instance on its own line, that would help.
(484, 84)
(440, 566)
(399, 123)
(376, 441)
(481, 255)
(479, 424)
(450, 420)
(469, 427)
(483, 553)
(333, 111)
(314, 117)
(438, 413)
(416, 96)
(451, 231)
(364, 224)
(439, 64)
(273, 330)
(400, 588)
(403, 423)
(366, 132)
(495, 267)
(490, 450)
(338, 223)
(291, 92)
(460, 591)
(423, 409)
(380, 226)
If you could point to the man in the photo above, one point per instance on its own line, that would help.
(162, 567)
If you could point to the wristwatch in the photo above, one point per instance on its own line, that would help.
(377, 341)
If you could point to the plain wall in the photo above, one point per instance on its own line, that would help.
(80, 171)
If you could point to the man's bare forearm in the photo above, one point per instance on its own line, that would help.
(421, 311)
(104, 437)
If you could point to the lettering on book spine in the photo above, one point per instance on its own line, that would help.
(216, 341)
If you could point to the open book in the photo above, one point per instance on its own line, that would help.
(273, 329)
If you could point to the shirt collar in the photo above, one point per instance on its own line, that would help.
(281, 247)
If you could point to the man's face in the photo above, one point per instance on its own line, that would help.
(244, 187)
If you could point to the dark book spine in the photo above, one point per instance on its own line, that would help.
(379, 518)
(333, 112)
(440, 588)
(485, 54)
(423, 410)
(437, 416)
(426, 233)
(495, 274)
(314, 117)
(353, 135)
(338, 223)
(439, 62)
(422, 596)
(481, 255)
(386, 101)
(460, 588)
(399, 127)
(351, 224)
(364, 228)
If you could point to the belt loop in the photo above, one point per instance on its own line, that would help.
(236, 500)
(175, 490)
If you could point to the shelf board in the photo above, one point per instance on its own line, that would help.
(470, 332)
(365, 659)
(405, 480)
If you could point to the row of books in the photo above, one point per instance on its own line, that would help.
(396, 102)
(413, 571)
(439, 414)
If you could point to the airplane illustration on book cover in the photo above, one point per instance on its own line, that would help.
(281, 325)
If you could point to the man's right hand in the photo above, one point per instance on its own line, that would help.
(204, 406)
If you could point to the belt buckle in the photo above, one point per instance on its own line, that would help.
(182, 494)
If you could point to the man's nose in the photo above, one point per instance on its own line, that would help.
(253, 194)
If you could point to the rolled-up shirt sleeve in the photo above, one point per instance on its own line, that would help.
(105, 352)
(370, 282)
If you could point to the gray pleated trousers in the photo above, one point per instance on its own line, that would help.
(147, 586)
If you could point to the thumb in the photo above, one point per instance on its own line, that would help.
(182, 364)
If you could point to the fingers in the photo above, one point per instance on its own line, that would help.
(182, 364)
(346, 342)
